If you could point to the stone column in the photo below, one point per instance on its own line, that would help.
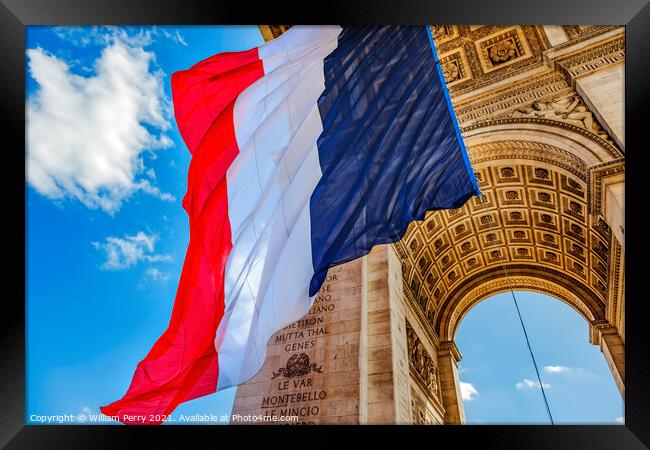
(387, 384)
(448, 357)
(613, 347)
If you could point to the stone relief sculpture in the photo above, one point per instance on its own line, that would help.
(420, 415)
(297, 365)
(567, 108)
(425, 367)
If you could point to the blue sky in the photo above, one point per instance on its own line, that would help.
(103, 259)
(496, 363)
(106, 238)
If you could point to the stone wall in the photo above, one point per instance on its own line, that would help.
(312, 366)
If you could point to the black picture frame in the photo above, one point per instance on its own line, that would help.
(16, 14)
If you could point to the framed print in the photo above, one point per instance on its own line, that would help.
(359, 219)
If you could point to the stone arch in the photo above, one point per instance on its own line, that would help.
(533, 216)
(534, 280)
(589, 147)
(535, 222)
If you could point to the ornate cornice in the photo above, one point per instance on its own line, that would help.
(578, 34)
(598, 328)
(449, 348)
(592, 59)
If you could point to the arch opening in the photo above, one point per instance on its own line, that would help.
(538, 227)
(497, 380)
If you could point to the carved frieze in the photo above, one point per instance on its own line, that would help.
(420, 414)
(487, 106)
(568, 108)
(422, 365)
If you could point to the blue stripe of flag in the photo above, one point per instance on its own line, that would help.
(390, 149)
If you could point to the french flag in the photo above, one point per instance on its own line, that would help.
(306, 152)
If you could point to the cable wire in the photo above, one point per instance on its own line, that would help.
(523, 327)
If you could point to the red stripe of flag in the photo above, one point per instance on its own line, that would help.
(183, 364)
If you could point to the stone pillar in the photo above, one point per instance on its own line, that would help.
(448, 357)
(346, 361)
(608, 338)
(312, 367)
(387, 384)
(606, 335)
(613, 348)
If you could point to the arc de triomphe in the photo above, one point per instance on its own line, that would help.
(542, 115)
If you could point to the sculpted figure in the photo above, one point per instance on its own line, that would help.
(412, 343)
(431, 379)
(418, 358)
(564, 107)
(568, 107)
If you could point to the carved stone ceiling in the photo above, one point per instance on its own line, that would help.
(475, 56)
(532, 218)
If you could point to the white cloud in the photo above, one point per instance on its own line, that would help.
(84, 36)
(467, 391)
(176, 37)
(180, 38)
(620, 419)
(86, 136)
(530, 384)
(556, 369)
(154, 274)
(122, 253)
